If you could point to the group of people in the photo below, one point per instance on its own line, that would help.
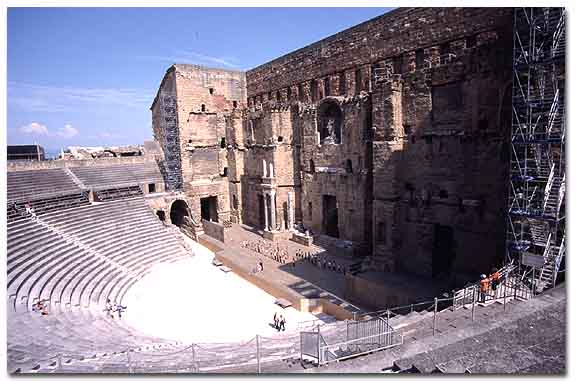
(112, 308)
(268, 249)
(489, 282)
(322, 261)
(282, 256)
(279, 322)
(40, 307)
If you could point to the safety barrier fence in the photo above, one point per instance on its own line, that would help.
(516, 282)
(322, 344)
(359, 337)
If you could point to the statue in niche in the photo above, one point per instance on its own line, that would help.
(329, 123)
(330, 131)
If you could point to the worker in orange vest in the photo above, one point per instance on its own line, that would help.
(495, 280)
(484, 286)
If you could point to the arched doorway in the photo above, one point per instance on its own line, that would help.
(178, 211)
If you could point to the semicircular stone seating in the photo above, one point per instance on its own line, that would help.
(74, 260)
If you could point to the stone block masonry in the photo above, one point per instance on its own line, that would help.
(392, 134)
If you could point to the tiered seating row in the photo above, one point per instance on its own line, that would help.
(35, 341)
(29, 185)
(47, 204)
(126, 174)
(118, 193)
(120, 242)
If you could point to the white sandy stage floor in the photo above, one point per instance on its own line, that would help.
(193, 301)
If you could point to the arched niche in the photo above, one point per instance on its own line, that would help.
(329, 122)
(178, 210)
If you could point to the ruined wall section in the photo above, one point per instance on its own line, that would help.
(235, 151)
(269, 163)
(337, 169)
(443, 166)
(347, 57)
(205, 97)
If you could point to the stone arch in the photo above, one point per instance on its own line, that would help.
(329, 124)
(178, 210)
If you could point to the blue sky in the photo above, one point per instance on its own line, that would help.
(87, 76)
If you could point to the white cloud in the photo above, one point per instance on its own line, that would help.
(34, 129)
(67, 132)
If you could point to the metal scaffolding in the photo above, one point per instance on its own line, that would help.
(536, 216)
(171, 167)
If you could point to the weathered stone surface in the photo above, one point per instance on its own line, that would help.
(392, 134)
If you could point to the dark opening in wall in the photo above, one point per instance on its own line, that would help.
(443, 194)
(419, 58)
(278, 97)
(446, 100)
(178, 211)
(441, 147)
(314, 90)
(327, 87)
(234, 202)
(358, 80)
(223, 143)
(209, 208)
(211, 90)
(280, 139)
(381, 232)
(397, 64)
(471, 41)
(413, 139)
(427, 198)
(289, 93)
(234, 104)
(407, 129)
(300, 92)
(342, 84)
(460, 205)
(310, 210)
(349, 168)
(445, 49)
(203, 107)
(190, 141)
(225, 172)
(504, 152)
(483, 124)
(161, 215)
(151, 188)
(269, 96)
(312, 166)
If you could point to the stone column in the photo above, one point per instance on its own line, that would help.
(273, 210)
(265, 211)
(271, 172)
(290, 210)
(264, 167)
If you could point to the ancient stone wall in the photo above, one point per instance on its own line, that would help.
(440, 162)
(395, 130)
(30, 165)
(204, 97)
(399, 33)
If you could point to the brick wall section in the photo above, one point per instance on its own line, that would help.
(205, 96)
(425, 105)
(401, 31)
